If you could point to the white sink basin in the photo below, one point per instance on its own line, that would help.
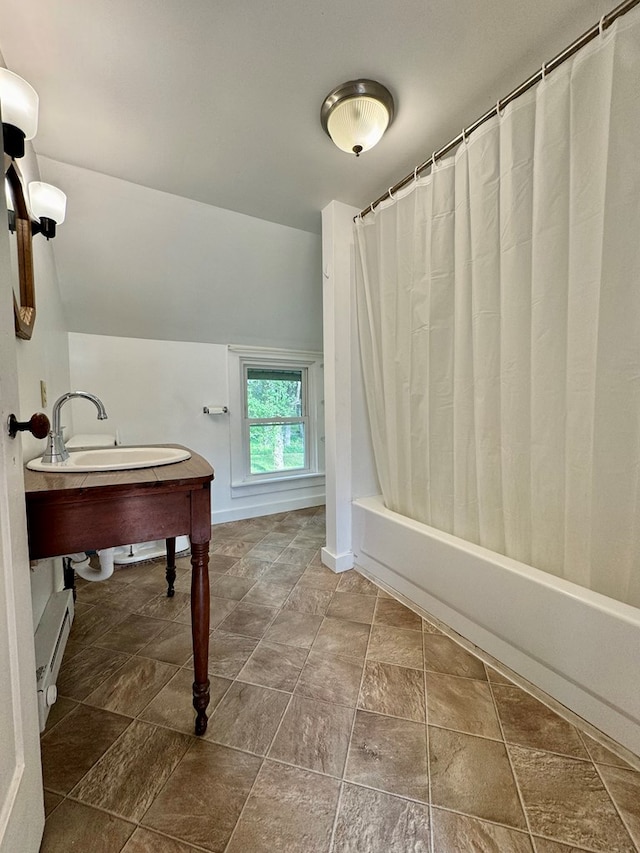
(113, 459)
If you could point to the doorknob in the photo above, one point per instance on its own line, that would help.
(38, 425)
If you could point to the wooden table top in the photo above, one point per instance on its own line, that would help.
(189, 472)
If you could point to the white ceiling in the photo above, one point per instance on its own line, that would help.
(219, 101)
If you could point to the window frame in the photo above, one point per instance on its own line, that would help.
(240, 359)
(248, 422)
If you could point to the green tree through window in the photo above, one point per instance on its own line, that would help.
(275, 405)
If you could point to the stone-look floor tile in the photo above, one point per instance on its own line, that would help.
(51, 802)
(306, 599)
(330, 679)
(134, 597)
(58, 711)
(566, 801)
(228, 653)
(290, 810)
(249, 567)
(86, 670)
(624, 788)
(396, 615)
(130, 635)
(163, 607)
(145, 841)
(473, 775)
(319, 577)
(127, 778)
(430, 627)
(267, 594)
(529, 723)
(90, 623)
(221, 563)
(248, 717)
(283, 574)
(353, 581)
(496, 677)
(233, 548)
(282, 539)
(95, 593)
(249, 620)
(228, 586)
(294, 629)
(296, 556)
(173, 705)
(268, 550)
(544, 845)
(463, 704)
(172, 645)
(201, 802)
(72, 749)
(372, 822)
(343, 638)
(314, 735)
(393, 690)
(601, 754)
(396, 645)
(219, 609)
(73, 826)
(352, 606)
(389, 754)
(442, 654)
(132, 687)
(274, 665)
(456, 832)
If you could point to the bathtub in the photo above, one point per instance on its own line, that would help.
(579, 646)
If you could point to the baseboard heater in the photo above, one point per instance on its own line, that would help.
(50, 640)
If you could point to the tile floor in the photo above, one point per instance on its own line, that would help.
(339, 721)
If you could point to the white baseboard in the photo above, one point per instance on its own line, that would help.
(337, 562)
(268, 506)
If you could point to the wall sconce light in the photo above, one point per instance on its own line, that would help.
(48, 206)
(19, 112)
(356, 114)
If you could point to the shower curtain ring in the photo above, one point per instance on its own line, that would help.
(544, 70)
(415, 174)
(601, 26)
(391, 194)
(433, 161)
(464, 135)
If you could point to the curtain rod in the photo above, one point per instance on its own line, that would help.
(568, 52)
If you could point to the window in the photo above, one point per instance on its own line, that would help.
(276, 419)
(276, 416)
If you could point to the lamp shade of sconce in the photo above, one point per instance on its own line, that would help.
(356, 114)
(19, 102)
(48, 205)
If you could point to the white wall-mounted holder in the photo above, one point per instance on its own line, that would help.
(215, 410)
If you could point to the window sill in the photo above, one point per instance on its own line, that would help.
(277, 484)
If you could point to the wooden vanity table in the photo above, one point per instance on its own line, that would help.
(72, 512)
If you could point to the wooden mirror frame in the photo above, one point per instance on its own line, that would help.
(25, 312)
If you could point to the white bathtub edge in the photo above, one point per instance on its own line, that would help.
(560, 641)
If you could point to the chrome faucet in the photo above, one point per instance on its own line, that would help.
(56, 451)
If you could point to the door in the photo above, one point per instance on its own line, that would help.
(21, 805)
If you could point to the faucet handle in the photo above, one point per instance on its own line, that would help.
(38, 425)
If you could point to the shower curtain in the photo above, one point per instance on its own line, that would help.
(499, 319)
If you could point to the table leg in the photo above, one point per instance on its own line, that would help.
(69, 575)
(200, 631)
(171, 565)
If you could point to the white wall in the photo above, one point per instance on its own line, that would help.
(139, 263)
(154, 392)
(44, 357)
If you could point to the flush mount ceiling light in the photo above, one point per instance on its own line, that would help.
(19, 112)
(356, 114)
(48, 206)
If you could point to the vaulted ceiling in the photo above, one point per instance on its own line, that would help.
(219, 101)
